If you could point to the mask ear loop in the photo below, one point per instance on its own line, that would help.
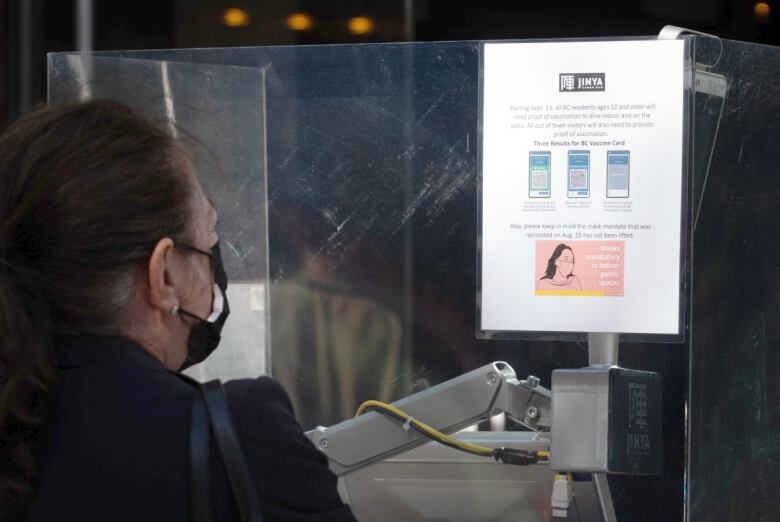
(217, 307)
(218, 303)
(182, 311)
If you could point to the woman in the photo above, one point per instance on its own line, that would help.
(559, 274)
(110, 283)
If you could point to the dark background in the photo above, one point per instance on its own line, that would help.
(31, 28)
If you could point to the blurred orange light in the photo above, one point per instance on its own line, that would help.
(761, 10)
(235, 17)
(300, 22)
(359, 25)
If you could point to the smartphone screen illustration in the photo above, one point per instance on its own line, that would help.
(618, 167)
(579, 174)
(539, 174)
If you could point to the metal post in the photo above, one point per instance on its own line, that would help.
(84, 26)
(26, 42)
(85, 35)
(409, 20)
(603, 349)
(408, 296)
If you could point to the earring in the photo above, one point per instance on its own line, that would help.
(174, 309)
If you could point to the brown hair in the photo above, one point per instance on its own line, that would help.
(86, 191)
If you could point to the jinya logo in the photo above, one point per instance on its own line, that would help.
(577, 82)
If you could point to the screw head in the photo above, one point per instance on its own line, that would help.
(532, 412)
(492, 378)
(532, 381)
(324, 443)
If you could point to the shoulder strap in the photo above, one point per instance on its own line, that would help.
(200, 474)
(235, 464)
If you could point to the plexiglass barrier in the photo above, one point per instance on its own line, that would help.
(369, 156)
(218, 112)
(734, 405)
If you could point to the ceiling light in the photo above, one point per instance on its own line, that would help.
(300, 22)
(360, 25)
(235, 17)
(761, 10)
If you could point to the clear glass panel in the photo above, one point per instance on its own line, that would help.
(219, 113)
(372, 161)
(371, 154)
(734, 396)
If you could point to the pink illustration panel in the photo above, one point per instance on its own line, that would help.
(584, 268)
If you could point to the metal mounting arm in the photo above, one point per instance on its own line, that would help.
(448, 407)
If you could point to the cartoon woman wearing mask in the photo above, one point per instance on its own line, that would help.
(558, 275)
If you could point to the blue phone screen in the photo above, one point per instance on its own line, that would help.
(539, 175)
(617, 174)
(579, 173)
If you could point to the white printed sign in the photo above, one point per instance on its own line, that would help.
(582, 175)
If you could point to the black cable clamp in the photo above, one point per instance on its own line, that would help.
(516, 456)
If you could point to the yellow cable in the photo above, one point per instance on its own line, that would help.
(435, 434)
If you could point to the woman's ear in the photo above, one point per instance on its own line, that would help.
(162, 264)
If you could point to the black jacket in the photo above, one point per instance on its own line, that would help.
(116, 445)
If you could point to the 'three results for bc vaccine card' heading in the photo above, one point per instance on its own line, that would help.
(582, 165)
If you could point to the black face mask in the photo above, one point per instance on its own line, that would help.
(205, 335)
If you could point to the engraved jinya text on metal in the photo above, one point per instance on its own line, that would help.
(637, 443)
